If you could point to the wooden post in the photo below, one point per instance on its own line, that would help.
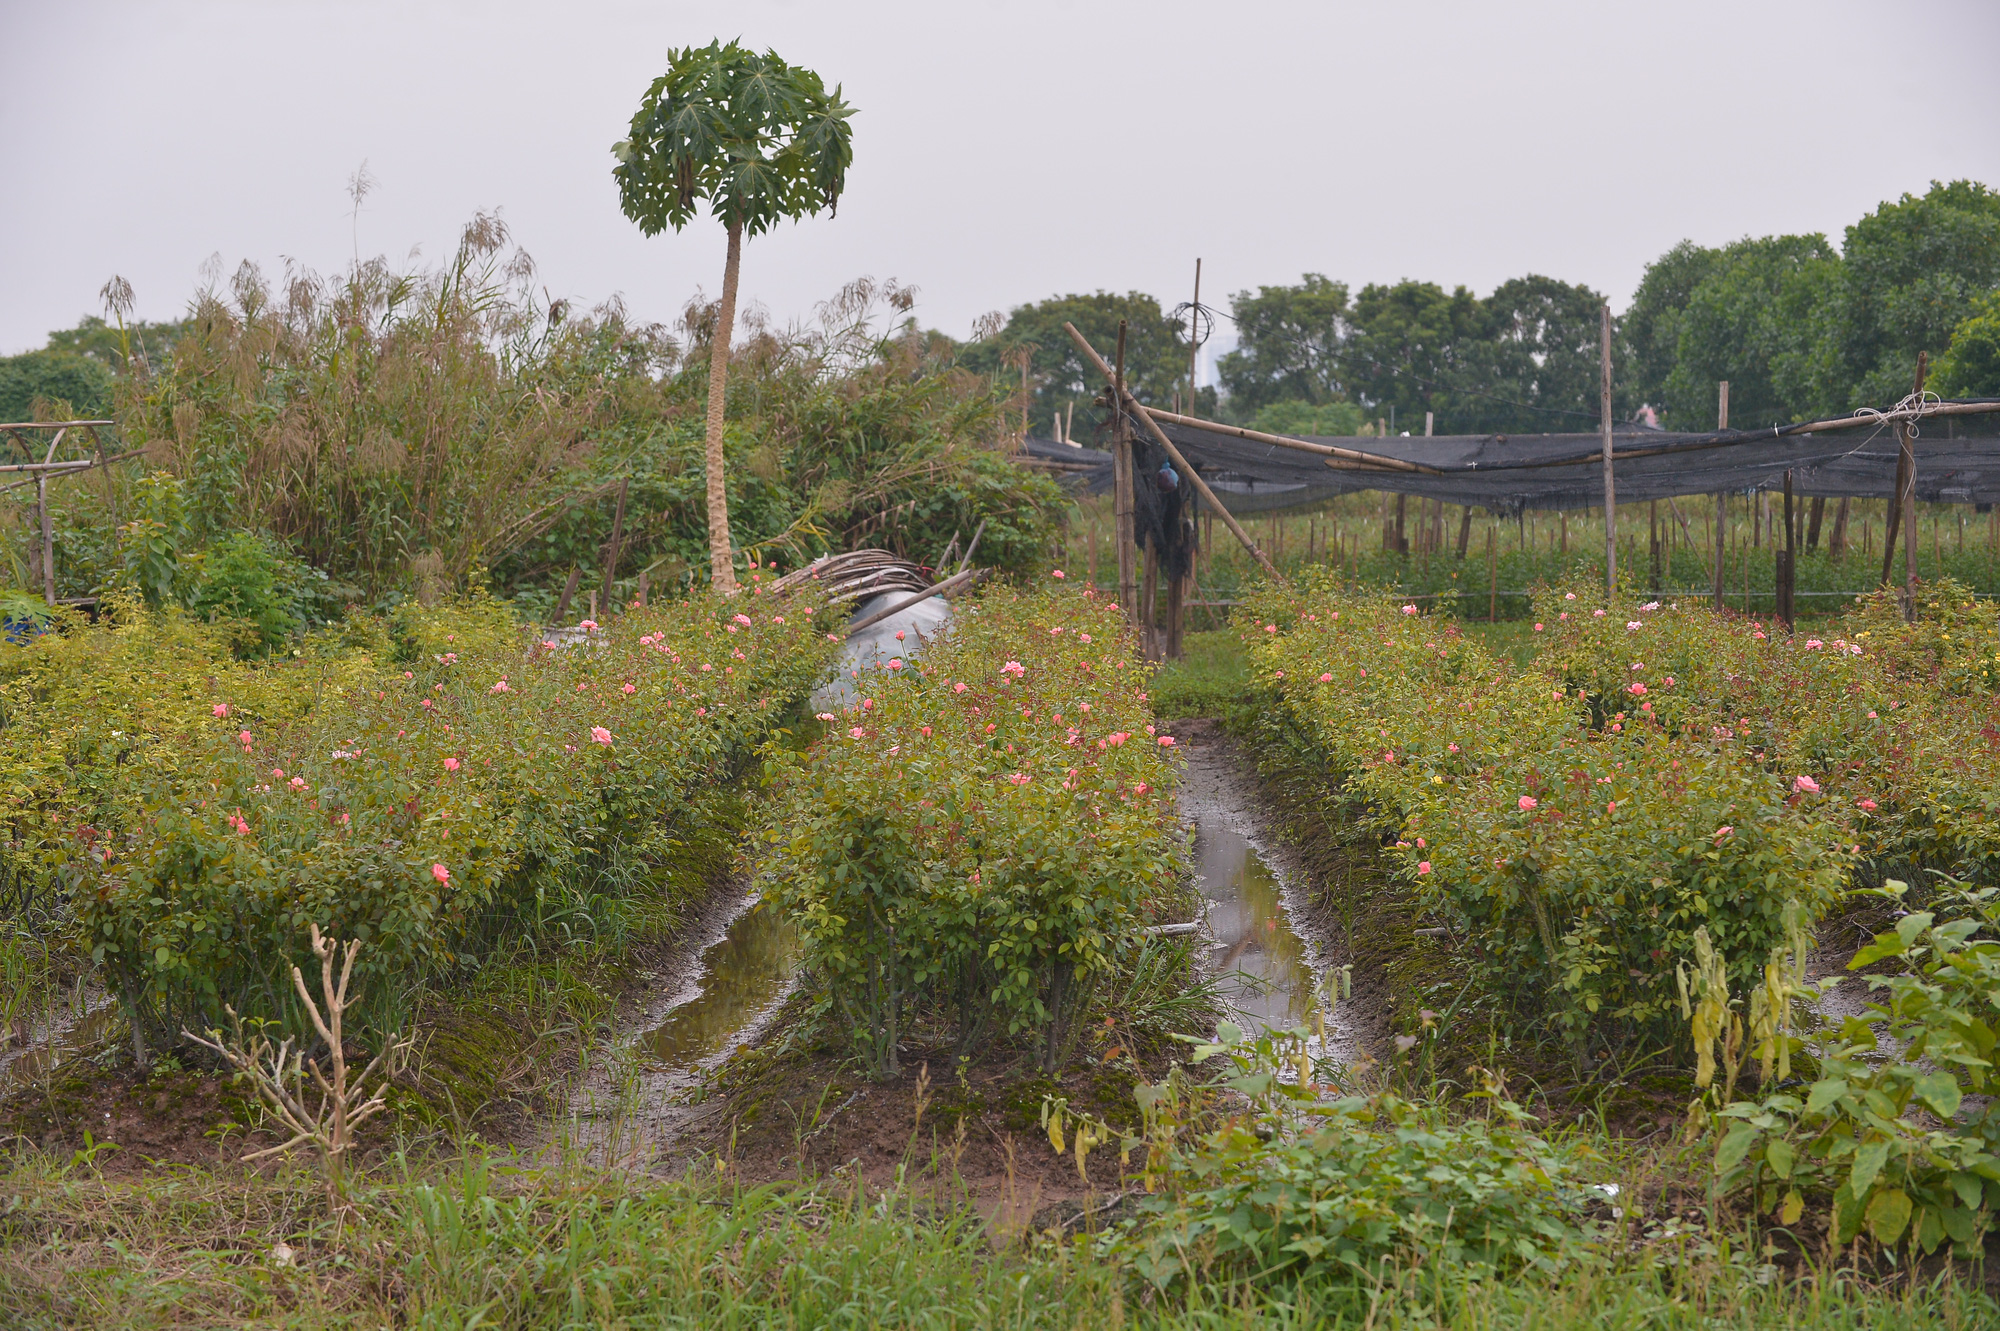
(1817, 512)
(1149, 597)
(48, 542)
(1493, 573)
(1121, 504)
(1653, 535)
(1788, 564)
(1402, 541)
(1610, 493)
(1907, 457)
(643, 580)
(1836, 544)
(1464, 530)
(568, 592)
(617, 536)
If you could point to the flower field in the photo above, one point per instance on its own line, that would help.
(483, 780)
(979, 838)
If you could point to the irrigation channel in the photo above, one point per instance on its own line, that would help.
(725, 991)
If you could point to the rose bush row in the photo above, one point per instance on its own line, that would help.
(982, 834)
(1895, 721)
(495, 780)
(1572, 850)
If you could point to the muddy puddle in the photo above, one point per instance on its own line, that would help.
(741, 976)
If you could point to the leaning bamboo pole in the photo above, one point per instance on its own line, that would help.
(1131, 405)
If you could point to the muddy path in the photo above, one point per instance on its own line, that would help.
(654, 1100)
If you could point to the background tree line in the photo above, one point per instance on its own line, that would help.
(1800, 329)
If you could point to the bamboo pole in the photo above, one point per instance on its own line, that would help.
(1371, 461)
(938, 589)
(1121, 504)
(1610, 493)
(1160, 436)
(1907, 459)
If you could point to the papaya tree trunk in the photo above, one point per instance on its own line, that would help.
(722, 565)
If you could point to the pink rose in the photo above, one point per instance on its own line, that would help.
(1527, 802)
(222, 709)
(451, 764)
(1867, 806)
(599, 735)
(1806, 784)
(1057, 574)
(629, 688)
(856, 733)
(958, 687)
(1423, 866)
(1166, 741)
(1326, 679)
(439, 872)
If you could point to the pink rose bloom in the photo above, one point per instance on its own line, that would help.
(1638, 690)
(925, 731)
(501, 687)
(1538, 628)
(1013, 668)
(856, 733)
(1141, 788)
(1281, 674)
(823, 716)
(895, 663)
(1423, 866)
(222, 709)
(1084, 636)
(277, 774)
(298, 783)
(958, 687)
(1270, 628)
(1867, 806)
(701, 711)
(1056, 630)
(1598, 613)
(744, 620)
(243, 738)
(1326, 679)
(1814, 644)
(1806, 784)
(1527, 802)
(587, 626)
(1612, 807)
(439, 872)
(777, 619)
(599, 735)
(706, 666)
(630, 688)
(1723, 831)
(451, 764)
(1019, 778)
(1409, 610)
(1632, 624)
(1757, 635)
(1451, 748)
(1166, 741)
(1056, 574)
(867, 704)
(1569, 596)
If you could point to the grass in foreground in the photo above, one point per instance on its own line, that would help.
(475, 1243)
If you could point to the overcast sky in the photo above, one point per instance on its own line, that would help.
(1002, 152)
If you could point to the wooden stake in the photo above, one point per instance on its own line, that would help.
(1493, 573)
(1836, 544)
(1818, 512)
(1907, 458)
(617, 536)
(1146, 418)
(1787, 563)
(1610, 494)
(1464, 530)
(568, 592)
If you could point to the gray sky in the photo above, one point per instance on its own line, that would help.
(1003, 152)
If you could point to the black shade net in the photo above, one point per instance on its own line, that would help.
(1510, 473)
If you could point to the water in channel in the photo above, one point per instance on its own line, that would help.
(742, 974)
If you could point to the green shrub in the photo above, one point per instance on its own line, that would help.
(984, 832)
(1304, 1188)
(1889, 1134)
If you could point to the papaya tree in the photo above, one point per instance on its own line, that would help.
(757, 140)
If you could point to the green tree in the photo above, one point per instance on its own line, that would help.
(1156, 355)
(1291, 345)
(1970, 367)
(1537, 365)
(1912, 271)
(51, 377)
(1652, 323)
(759, 140)
(1752, 320)
(1408, 345)
(109, 344)
(1322, 418)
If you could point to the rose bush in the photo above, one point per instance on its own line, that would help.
(496, 780)
(1574, 843)
(982, 835)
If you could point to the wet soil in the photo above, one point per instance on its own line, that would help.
(718, 1068)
